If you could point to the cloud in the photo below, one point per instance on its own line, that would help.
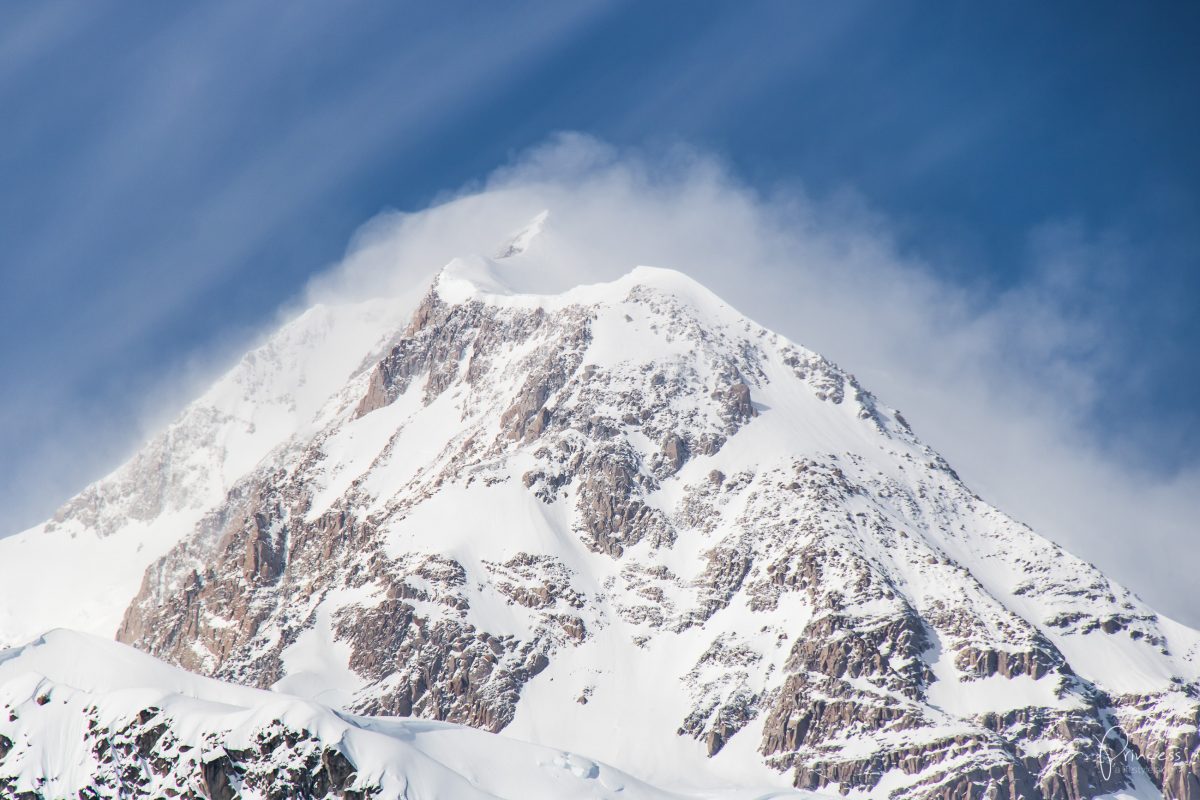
(1004, 383)
(1007, 383)
(171, 190)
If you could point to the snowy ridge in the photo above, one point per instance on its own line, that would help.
(87, 717)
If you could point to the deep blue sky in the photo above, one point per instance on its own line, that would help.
(171, 174)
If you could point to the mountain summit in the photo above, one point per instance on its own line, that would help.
(627, 521)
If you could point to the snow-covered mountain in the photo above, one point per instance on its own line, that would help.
(623, 520)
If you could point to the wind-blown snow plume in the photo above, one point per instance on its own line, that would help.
(1004, 387)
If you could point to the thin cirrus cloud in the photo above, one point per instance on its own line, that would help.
(180, 180)
(1001, 384)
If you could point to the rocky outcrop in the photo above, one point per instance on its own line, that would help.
(723, 692)
(149, 756)
(439, 670)
(228, 588)
(974, 662)
(675, 452)
(612, 515)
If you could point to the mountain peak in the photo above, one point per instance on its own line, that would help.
(520, 241)
(471, 276)
(514, 282)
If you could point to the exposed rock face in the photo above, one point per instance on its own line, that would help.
(148, 756)
(522, 487)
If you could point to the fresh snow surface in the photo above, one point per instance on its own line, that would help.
(51, 687)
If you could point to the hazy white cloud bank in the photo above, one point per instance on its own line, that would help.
(1003, 384)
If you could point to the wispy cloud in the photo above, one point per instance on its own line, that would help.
(1002, 384)
(174, 191)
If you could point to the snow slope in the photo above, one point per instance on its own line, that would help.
(87, 717)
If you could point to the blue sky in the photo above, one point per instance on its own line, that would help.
(173, 174)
